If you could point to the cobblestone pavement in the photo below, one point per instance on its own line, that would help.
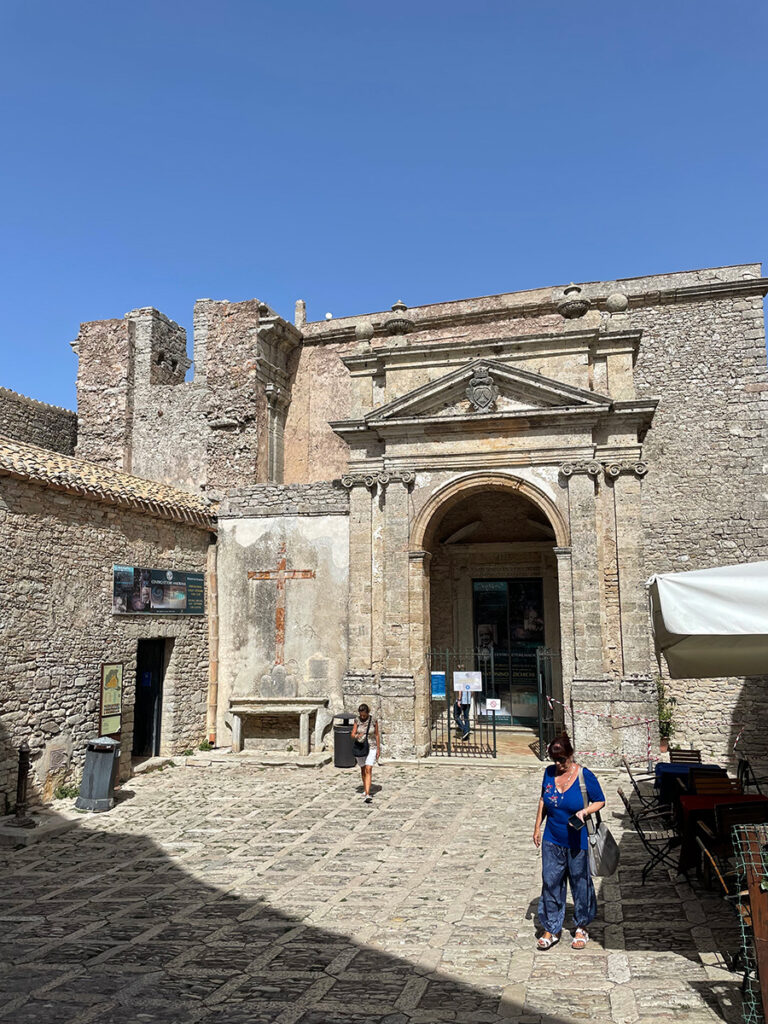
(238, 894)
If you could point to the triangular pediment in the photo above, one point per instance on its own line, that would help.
(485, 387)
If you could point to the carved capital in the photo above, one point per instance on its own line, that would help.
(592, 468)
(615, 469)
(611, 469)
(381, 479)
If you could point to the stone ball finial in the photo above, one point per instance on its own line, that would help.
(616, 302)
(572, 305)
(364, 330)
(399, 306)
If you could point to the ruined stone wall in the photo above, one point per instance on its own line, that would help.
(258, 527)
(105, 351)
(33, 422)
(704, 501)
(56, 577)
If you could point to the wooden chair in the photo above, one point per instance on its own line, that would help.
(713, 785)
(658, 841)
(747, 777)
(685, 756)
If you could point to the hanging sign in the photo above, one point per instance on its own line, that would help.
(472, 681)
(438, 683)
(110, 714)
(140, 591)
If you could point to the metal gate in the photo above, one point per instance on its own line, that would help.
(517, 681)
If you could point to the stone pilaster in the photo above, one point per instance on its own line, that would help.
(360, 583)
(627, 489)
(396, 612)
(584, 567)
(418, 586)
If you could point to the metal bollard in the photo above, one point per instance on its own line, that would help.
(20, 819)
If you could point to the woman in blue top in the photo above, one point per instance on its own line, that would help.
(564, 855)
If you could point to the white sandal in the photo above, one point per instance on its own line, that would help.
(581, 935)
(543, 943)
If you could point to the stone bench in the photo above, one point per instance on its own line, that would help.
(255, 707)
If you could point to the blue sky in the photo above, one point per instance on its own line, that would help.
(354, 153)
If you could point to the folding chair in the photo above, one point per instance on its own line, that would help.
(649, 803)
(659, 842)
(709, 784)
(685, 756)
(747, 777)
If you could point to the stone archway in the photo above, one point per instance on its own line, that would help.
(495, 532)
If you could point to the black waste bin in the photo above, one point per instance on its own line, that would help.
(343, 754)
(102, 759)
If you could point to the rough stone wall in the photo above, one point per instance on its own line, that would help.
(316, 499)
(56, 579)
(33, 422)
(105, 351)
(704, 501)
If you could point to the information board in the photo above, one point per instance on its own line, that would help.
(438, 684)
(111, 711)
(140, 591)
(468, 681)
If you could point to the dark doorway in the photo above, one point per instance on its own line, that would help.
(509, 632)
(150, 668)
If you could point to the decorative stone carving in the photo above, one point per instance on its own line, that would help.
(616, 302)
(572, 305)
(482, 392)
(364, 331)
(399, 324)
(382, 479)
(611, 469)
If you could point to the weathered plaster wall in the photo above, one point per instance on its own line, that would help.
(33, 422)
(312, 523)
(56, 578)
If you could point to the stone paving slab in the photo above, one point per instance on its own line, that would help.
(252, 894)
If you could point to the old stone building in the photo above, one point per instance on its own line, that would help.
(481, 485)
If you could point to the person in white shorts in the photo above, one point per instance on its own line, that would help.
(366, 743)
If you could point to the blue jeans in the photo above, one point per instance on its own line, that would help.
(560, 865)
(461, 718)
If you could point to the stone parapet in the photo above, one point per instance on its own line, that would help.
(48, 426)
(609, 720)
(323, 498)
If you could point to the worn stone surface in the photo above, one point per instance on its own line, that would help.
(276, 896)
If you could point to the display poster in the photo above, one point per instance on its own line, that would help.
(140, 591)
(438, 684)
(472, 681)
(110, 716)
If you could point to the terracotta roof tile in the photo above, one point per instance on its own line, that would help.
(99, 483)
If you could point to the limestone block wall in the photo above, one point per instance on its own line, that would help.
(308, 527)
(33, 422)
(704, 498)
(56, 579)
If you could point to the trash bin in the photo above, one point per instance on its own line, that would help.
(343, 754)
(102, 759)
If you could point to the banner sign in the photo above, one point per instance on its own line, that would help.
(110, 714)
(140, 591)
(438, 684)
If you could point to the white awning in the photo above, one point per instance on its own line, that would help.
(712, 622)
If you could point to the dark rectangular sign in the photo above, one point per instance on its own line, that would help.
(140, 591)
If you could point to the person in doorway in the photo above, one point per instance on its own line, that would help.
(461, 708)
(564, 856)
(366, 741)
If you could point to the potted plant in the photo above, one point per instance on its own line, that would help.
(665, 706)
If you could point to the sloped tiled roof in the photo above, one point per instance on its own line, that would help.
(99, 483)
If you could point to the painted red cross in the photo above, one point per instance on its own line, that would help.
(280, 575)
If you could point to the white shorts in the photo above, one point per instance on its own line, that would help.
(370, 759)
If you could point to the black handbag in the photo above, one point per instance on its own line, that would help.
(362, 747)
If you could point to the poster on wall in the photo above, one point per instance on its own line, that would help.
(140, 591)
(110, 715)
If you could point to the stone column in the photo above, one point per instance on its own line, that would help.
(360, 590)
(567, 650)
(418, 572)
(584, 566)
(396, 613)
(635, 626)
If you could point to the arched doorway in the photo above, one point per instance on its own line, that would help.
(493, 611)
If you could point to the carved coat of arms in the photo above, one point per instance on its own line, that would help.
(482, 392)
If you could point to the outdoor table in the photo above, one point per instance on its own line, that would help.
(693, 809)
(667, 775)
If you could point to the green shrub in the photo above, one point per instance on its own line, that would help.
(66, 790)
(205, 745)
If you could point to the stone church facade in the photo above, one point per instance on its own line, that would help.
(378, 481)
